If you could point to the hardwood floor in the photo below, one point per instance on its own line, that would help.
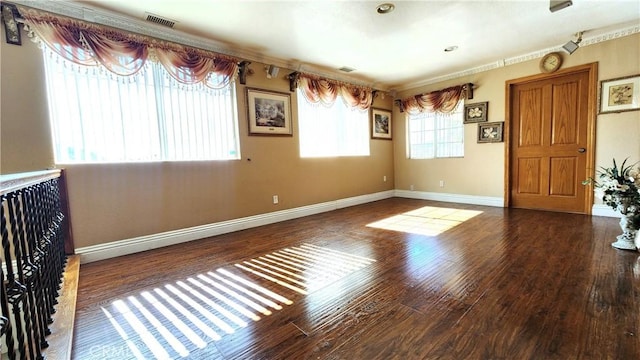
(461, 282)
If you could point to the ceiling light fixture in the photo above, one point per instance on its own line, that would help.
(450, 48)
(572, 46)
(555, 5)
(385, 8)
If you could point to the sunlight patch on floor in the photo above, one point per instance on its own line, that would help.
(168, 320)
(304, 268)
(428, 220)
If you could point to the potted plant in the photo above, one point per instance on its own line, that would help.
(619, 188)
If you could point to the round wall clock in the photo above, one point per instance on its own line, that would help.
(550, 62)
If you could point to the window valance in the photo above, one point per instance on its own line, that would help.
(442, 101)
(125, 53)
(322, 90)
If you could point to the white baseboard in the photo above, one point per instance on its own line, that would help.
(603, 210)
(596, 210)
(363, 199)
(154, 241)
(454, 198)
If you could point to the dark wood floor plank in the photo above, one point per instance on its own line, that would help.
(396, 328)
(465, 282)
(610, 298)
(248, 344)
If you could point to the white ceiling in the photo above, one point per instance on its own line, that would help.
(392, 51)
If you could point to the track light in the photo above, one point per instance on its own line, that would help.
(555, 5)
(572, 46)
(272, 71)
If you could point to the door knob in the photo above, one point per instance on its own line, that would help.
(581, 150)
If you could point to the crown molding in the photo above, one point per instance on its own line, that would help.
(138, 26)
(107, 18)
(610, 35)
(115, 20)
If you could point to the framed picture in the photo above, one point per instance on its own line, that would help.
(11, 28)
(269, 112)
(477, 112)
(380, 124)
(490, 132)
(620, 94)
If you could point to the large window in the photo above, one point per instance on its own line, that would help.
(336, 130)
(97, 116)
(436, 135)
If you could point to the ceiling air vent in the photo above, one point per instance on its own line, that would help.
(346, 69)
(161, 21)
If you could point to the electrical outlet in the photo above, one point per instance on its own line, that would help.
(384, 178)
(275, 199)
(441, 183)
(411, 187)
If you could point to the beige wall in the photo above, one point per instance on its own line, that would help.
(25, 138)
(112, 202)
(120, 201)
(481, 171)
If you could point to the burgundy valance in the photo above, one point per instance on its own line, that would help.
(322, 90)
(442, 101)
(125, 53)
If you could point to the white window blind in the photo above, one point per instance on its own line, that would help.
(436, 135)
(330, 131)
(97, 116)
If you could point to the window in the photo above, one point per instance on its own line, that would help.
(436, 135)
(337, 130)
(97, 116)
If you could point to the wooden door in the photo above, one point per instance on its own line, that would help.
(551, 141)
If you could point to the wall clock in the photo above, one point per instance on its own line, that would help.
(550, 62)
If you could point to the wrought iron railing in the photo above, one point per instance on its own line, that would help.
(35, 232)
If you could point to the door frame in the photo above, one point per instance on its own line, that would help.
(592, 106)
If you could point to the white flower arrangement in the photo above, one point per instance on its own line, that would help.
(619, 188)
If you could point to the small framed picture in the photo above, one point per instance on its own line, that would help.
(380, 124)
(620, 94)
(490, 132)
(269, 112)
(474, 113)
